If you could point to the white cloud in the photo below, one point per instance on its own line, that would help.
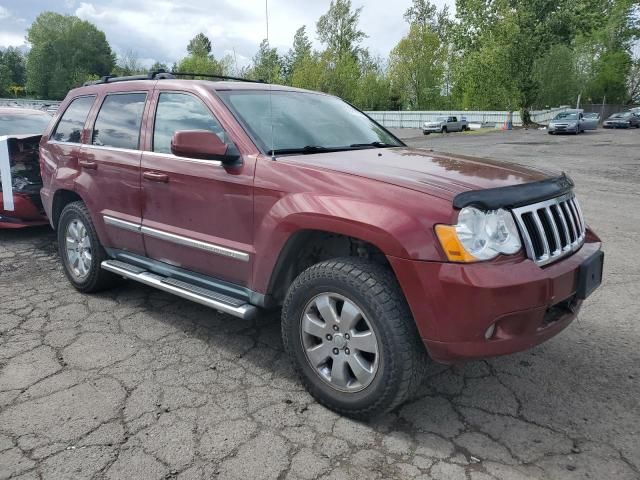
(161, 29)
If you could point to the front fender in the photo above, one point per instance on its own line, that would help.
(394, 231)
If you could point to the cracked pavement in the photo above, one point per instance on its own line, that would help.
(135, 383)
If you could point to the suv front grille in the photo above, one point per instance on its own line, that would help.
(551, 229)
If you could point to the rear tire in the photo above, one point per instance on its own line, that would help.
(80, 250)
(329, 312)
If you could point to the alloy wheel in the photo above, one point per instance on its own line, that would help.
(78, 249)
(339, 342)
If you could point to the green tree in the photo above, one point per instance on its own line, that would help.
(557, 76)
(159, 66)
(267, 64)
(14, 62)
(373, 90)
(418, 62)
(300, 50)
(64, 52)
(338, 28)
(308, 73)
(633, 83)
(200, 59)
(129, 64)
(199, 46)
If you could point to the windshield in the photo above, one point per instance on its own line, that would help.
(20, 124)
(567, 116)
(304, 122)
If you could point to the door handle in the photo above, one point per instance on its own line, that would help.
(88, 165)
(156, 177)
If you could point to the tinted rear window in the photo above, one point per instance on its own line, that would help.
(119, 119)
(72, 122)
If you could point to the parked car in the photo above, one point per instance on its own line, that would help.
(446, 125)
(246, 196)
(622, 120)
(567, 122)
(591, 121)
(20, 182)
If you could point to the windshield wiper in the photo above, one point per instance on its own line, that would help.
(306, 149)
(373, 144)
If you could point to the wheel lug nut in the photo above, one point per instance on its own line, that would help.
(347, 351)
(336, 351)
(329, 337)
(335, 327)
(347, 336)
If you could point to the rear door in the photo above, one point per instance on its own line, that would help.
(198, 214)
(110, 170)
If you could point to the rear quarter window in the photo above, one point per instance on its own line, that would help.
(69, 128)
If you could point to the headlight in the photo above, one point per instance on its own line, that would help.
(479, 235)
(572, 125)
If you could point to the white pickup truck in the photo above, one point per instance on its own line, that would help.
(446, 125)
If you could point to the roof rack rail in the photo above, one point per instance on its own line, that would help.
(161, 75)
(221, 77)
(154, 75)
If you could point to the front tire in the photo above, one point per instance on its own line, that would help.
(80, 250)
(348, 330)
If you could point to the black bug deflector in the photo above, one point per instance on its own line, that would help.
(515, 195)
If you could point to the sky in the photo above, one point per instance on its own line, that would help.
(161, 29)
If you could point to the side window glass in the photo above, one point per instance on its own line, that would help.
(70, 127)
(179, 111)
(119, 119)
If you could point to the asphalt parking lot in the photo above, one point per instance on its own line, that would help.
(138, 384)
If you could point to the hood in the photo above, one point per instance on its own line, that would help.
(437, 174)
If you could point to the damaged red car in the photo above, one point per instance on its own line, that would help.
(20, 180)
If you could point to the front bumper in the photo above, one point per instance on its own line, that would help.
(26, 213)
(455, 304)
(436, 129)
(616, 125)
(561, 128)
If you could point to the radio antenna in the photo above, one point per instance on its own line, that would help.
(273, 142)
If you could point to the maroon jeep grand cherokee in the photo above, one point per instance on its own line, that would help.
(242, 196)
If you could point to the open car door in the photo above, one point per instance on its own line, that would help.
(20, 182)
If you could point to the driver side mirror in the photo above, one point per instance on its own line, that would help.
(205, 145)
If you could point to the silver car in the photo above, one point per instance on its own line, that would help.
(567, 122)
(446, 125)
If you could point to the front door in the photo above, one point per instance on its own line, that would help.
(197, 214)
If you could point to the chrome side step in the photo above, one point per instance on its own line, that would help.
(210, 298)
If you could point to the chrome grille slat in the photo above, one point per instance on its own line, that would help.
(565, 228)
(571, 222)
(542, 235)
(554, 229)
(572, 205)
(557, 222)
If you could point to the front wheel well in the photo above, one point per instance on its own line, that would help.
(309, 247)
(61, 199)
